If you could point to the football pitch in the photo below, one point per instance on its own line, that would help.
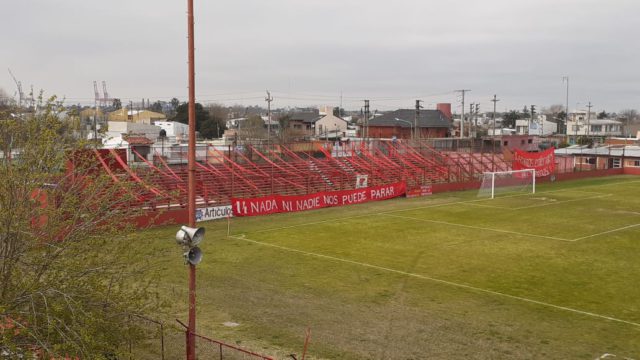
(551, 275)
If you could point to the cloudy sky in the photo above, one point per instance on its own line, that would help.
(309, 52)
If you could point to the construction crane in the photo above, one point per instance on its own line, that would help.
(105, 95)
(97, 94)
(19, 85)
(104, 100)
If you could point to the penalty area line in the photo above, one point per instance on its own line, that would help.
(429, 278)
(480, 228)
(606, 232)
(562, 202)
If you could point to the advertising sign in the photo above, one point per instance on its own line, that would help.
(291, 203)
(213, 213)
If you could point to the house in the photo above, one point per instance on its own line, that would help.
(401, 124)
(136, 116)
(175, 132)
(540, 126)
(303, 121)
(520, 142)
(118, 131)
(330, 125)
(582, 123)
(583, 157)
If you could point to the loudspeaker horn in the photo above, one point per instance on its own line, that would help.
(190, 236)
(194, 256)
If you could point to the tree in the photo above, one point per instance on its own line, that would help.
(218, 119)
(628, 116)
(509, 119)
(67, 279)
(116, 104)
(209, 126)
(253, 128)
(603, 115)
(156, 106)
(174, 103)
(553, 110)
(182, 114)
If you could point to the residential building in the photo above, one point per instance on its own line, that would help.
(330, 125)
(136, 116)
(303, 122)
(175, 132)
(540, 126)
(404, 123)
(118, 131)
(583, 124)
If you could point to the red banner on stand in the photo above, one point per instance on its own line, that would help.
(543, 162)
(290, 203)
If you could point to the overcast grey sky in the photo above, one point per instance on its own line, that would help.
(308, 52)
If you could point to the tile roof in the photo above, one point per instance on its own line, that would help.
(406, 117)
(306, 116)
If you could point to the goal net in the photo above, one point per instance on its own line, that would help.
(508, 182)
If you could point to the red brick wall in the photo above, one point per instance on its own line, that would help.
(404, 132)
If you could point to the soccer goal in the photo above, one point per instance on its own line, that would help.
(508, 182)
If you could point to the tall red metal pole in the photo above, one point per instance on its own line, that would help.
(191, 191)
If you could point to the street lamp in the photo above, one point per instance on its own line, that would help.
(408, 122)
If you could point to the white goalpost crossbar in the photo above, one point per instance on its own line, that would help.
(511, 181)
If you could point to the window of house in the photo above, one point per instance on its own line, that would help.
(506, 143)
(617, 163)
(596, 128)
(530, 141)
(591, 160)
(521, 142)
(636, 163)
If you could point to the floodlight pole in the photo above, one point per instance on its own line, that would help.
(191, 190)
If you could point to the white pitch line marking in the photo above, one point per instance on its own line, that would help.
(334, 220)
(487, 206)
(606, 232)
(469, 202)
(429, 278)
(561, 202)
(480, 228)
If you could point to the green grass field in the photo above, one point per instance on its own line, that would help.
(550, 275)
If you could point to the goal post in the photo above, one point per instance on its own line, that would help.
(507, 182)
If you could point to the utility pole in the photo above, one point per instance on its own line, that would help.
(463, 91)
(415, 119)
(366, 120)
(566, 115)
(475, 120)
(533, 111)
(471, 119)
(494, 101)
(191, 184)
(589, 119)
(268, 99)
